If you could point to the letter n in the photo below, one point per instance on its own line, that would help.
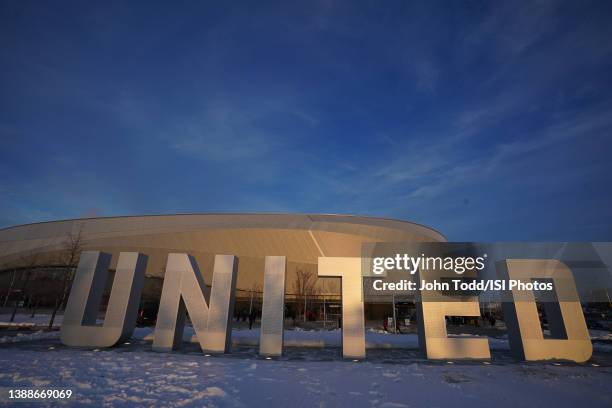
(210, 311)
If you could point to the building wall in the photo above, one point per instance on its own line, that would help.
(301, 238)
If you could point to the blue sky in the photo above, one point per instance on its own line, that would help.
(487, 121)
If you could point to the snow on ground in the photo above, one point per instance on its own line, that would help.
(29, 336)
(24, 320)
(375, 339)
(307, 339)
(132, 374)
(600, 335)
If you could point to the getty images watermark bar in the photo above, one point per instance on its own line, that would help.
(443, 279)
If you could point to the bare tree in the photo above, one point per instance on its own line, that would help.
(28, 262)
(68, 259)
(304, 286)
(10, 288)
(255, 288)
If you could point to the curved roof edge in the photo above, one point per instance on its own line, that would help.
(365, 217)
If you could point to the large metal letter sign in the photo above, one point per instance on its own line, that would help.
(78, 328)
(353, 324)
(272, 315)
(184, 290)
(211, 309)
(432, 309)
(521, 314)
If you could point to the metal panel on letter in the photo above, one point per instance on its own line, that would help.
(432, 308)
(218, 337)
(272, 315)
(184, 291)
(82, 309)
(353, 320)
(521, 314)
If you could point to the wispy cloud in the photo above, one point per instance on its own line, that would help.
(483, 120)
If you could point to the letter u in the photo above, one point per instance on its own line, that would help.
(78, 327)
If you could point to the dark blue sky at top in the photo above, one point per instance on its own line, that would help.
(485, 120)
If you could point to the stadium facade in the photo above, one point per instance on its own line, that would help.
(301, 238)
